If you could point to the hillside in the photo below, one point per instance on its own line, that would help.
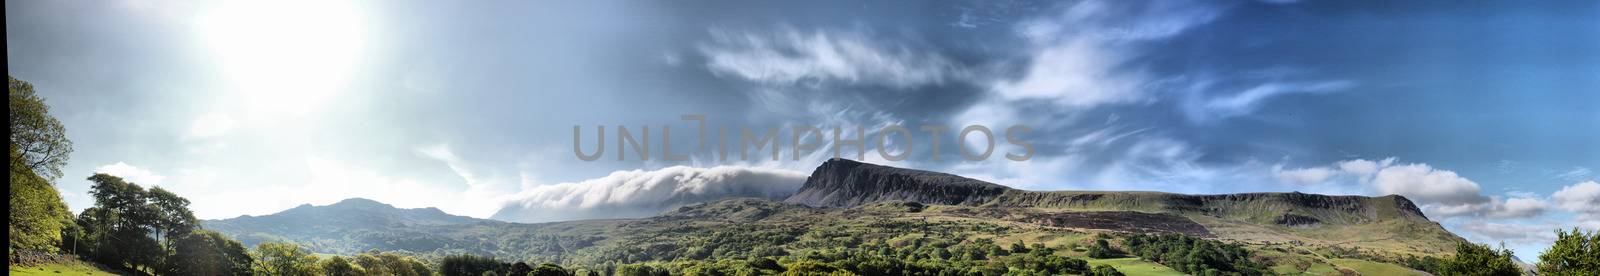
(1391, 223)
(355, 225)
(849, 205)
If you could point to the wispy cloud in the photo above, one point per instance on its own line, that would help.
(791, 57)
(640, 193)
(131, 173)
(1247, 101)
(1082, 57)
(1576, 174)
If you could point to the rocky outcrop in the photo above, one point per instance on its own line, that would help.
(847, 183)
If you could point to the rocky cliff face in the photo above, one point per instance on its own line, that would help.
(846, 183)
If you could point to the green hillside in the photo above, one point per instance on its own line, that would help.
(862, 217)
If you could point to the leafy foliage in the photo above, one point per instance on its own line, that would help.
(1104, 270)
(340, 266)
(1193, 255)
(467, 264)
(1574, 253)
(39, 148)
(123, 226)
(1101, 249)
(285, 259)
(38, 139)
(1478, 259)
(209, 253)
(38, 216)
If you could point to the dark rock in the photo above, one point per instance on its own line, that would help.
(1296, 220)
(846, 183)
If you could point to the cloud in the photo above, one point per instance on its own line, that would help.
(790, 57)
(1510, 233)
(1247, 101)
(1078, 73)
(1582, 197)
(1303, 176)
(131, 174)
(1363, 166)
(1576, 174)
(640, 193)
(1424, 183)
(1079, 58)
(1517, 207)
(1441, 193)
(442, 153)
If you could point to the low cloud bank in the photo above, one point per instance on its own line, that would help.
(640, 193)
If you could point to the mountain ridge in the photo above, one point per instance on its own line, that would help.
(844, 191)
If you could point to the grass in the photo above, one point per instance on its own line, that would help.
(1134, 266)
(76, 268)
(1374, 268)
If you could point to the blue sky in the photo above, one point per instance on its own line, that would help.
(1485, 114)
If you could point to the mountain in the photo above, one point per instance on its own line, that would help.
(353, 225)
(845, 183)
(1391, 222)
(852, 205)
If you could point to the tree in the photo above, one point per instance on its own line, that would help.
(208, 253)
(469, 265)
(520, 268)
(171, 214)
(1478, 259)
(1104, 270)
(1101, 250)
(39, 148)
(286, 259)
(549, 269)
(38, 138)
(38, 216)
(1575, 253)
(339, 266)
(386, 263)
(117, 230)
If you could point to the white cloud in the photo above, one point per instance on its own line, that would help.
(1441, 193)
(442, 153)
(1081, 57)
(1510, 233)
(640, 193)
(1582, 197)
(1424, 183)
(1576, 174)
(131, 174)
(1078, 73)
(1303, 176)
(1247, 101)
(791, 57)
(1362, 166)
(1517, 207)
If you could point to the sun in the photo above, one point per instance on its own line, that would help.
(285, 57)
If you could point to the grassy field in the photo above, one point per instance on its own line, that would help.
(1135, 266)
(58, 269)
(1374, 268)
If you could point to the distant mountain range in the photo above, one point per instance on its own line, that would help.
(845, 192)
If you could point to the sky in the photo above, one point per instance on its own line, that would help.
(1487, 115)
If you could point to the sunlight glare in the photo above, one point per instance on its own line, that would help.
(285, 57)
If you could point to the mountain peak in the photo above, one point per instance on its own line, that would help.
(361, 202)
(848, 183)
